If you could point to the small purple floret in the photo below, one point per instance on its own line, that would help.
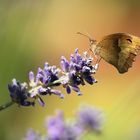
(19, 94)
(78, 70)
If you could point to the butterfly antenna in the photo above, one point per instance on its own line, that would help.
(90, 39)
(98, 60)
(84, 35)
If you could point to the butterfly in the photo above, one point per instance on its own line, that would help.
(118, 49)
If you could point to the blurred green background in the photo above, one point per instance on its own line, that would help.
(35, 31)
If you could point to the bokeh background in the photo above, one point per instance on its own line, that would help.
(35, 31)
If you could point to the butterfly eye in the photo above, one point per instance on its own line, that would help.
(129, 40)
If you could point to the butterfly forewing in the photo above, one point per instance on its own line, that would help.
(119, 49)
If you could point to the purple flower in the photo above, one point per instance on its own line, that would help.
(77, 71)
(90, 119)
(58, 129)
(31, 135)
(42, 83)
(33, 80)
(74, 73)
(44, 77)
(65, 64)
(38, 91)
(48, 75)
(18, 93)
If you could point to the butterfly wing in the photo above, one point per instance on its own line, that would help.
(119, 49)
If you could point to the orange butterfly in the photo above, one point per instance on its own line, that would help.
(119, 49)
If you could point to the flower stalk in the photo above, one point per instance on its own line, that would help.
(6, 105)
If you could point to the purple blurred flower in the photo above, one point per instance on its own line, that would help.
(58, 129)
(90, 119)
(31, 135)
(18, 93)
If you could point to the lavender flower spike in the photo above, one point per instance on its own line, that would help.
(77, 71)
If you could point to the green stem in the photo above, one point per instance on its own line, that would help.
(6, 105)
